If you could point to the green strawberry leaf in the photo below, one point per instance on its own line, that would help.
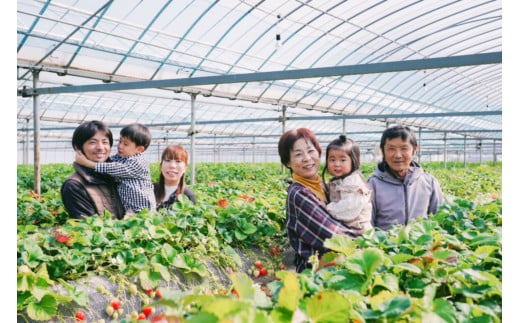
(43, 310)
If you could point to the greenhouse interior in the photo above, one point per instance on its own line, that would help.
(226, 78)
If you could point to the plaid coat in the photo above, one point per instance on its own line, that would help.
(308, 224)
(135, 183)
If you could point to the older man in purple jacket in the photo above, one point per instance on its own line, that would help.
(401, 190)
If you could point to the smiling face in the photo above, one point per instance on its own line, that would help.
(97, 148)
(304, 159)
(172, 170)
(339, 163)
(398, 154)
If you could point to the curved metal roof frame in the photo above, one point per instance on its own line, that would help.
(251, 69)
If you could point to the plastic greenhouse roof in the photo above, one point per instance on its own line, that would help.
(248, 70)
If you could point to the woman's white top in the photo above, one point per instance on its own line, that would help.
(168, 190)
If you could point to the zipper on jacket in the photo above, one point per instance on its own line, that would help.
(405, 204)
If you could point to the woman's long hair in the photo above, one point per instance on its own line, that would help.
(172, 152)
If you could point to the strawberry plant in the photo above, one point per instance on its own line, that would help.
(446, 267)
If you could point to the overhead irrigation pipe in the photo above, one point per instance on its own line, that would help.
(384, 67)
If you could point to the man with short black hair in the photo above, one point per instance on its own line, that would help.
(86, 193)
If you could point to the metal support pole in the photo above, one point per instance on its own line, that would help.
(480, 151)
(284, 110)
(192, 141)
(420, 144)
(215, 149)
(26, 143)
(36, 121)
(253, 151)
(159, 151)
(465, 151)
(445, 150)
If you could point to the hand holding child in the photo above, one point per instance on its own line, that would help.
(83, 161)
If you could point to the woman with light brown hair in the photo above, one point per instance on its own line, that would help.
(308, 222)
(172, 181)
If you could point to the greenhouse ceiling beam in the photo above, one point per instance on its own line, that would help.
(384, 67)
(154, 125)
(349, 133)
(333, 117)
(352, 116)
(210, 140)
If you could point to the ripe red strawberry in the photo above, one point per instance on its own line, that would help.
(116, 304)
(80, 316)
(147, 311)
(60, 237)
(141, 317)
(263, 272)
(258, 264)
(222, 203)
(150, 293)
(158, 294)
